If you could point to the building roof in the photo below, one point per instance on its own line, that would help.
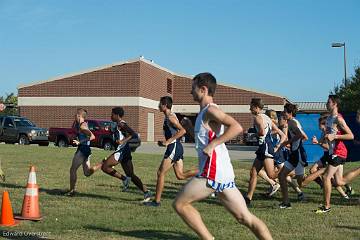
(312, 107)
(150, 62)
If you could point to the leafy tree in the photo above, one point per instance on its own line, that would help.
(349, 94)
(10, 100)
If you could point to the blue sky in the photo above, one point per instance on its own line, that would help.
(282, 47)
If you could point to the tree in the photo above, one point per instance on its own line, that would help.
(349, 94)
(11, 101)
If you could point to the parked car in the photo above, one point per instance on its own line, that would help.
(250, 137)
(102, 129)
(15, 129)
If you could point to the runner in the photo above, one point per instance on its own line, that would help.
(123, 133)
(83, 152)
(265, 153)
(173, 157)
(215, 169)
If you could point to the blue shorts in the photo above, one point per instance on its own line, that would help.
(265, 150)
(298, 156)
(123, 155)
(281, 156)
(174, 151)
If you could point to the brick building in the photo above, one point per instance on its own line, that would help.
(136, 85)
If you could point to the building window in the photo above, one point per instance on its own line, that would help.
(169, 86)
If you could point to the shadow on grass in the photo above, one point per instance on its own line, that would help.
(144, 234)
(22, 235)
(57, 192)
(349, 227)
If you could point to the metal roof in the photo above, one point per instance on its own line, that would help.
(311, 106)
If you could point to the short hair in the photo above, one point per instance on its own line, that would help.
(271, 114)
(82, 112)
(282, 115)
(118, 111)
(206, 80)
(291, 108)
(167, 101)
(257, 102)
(335, 99)
(322, 119)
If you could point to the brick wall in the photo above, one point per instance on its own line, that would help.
(224, 94)
(121, 80)
(47, 116)
(153, 81)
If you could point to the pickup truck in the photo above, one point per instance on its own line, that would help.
(15, 129)
(102, 129)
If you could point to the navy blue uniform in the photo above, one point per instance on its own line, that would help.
(84, 146)
(174, 150)
(123, 152)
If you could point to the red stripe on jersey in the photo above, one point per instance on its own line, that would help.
(209, 170)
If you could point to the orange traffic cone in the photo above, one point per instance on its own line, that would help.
(7, 217)
(30, 208)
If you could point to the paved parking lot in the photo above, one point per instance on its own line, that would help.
(237, 152)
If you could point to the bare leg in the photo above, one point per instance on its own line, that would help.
(341, 191)
(257, 165)
(270, 168)
(349, 176)
(264, 176)
(107, 167)
(179, 171)
(294, 186)
(77, 161)
(165, 166)
(195, 190)
(283, 184)
(235, 204)
(313, 176)
(329, 173)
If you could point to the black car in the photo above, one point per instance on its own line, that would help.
(14, 129)
(251, 137)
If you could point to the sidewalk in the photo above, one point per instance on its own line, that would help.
(237, 152)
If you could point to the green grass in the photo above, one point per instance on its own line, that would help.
(101, 211)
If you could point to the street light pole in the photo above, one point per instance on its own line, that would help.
(345, 65)
(338, 45)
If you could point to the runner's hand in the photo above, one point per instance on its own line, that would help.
(208, 150)
(76, 142)
(330, 137)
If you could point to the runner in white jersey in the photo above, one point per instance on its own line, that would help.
(215, 170)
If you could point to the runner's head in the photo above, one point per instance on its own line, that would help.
(165, 103)
(117, 114)
(322, 122)
(272, 115)
(204, 84)
(282, 120)
(333, 102)
(81, 114)
(290, 110)
(256, 105)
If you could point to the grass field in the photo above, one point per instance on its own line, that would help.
(102, 211)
